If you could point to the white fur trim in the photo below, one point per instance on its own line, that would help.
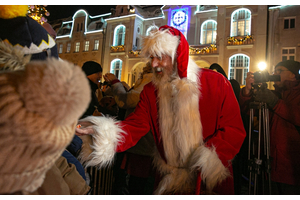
(192, 71)
(160, 42)
(108, 134)
(174, 179)
(208, 163)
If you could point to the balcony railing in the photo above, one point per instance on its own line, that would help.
(118, 48)
(240, 40)
(203, 49)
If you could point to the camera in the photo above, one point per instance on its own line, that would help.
(263, 76)
(105, 83)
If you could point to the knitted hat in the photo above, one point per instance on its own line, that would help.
(292, 66)
(169, 41)
(91, 67)
(39, 109)
(25, 33)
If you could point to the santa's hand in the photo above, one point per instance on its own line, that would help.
(84, 128)
(84, 131)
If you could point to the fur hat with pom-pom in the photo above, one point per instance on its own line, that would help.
(40, 103)
(23, 32)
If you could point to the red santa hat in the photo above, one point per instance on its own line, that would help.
(162, 41)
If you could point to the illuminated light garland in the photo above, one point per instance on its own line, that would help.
(37, 12)
(136, 53)
(117, 48)
(210, 49)
(235, 41)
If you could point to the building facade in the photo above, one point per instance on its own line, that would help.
(238, 37)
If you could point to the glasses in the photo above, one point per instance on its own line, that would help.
(278, 71)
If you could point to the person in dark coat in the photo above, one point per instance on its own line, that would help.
(284, 107)
(93, 71)
(235, 85)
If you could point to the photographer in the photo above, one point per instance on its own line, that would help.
(284, 105)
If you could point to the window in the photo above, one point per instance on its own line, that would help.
(77, 27)
(289, 23)
(150, 29)
(99, 25)
(238, 68)
(208, 32)
(77, 46)
(60, 48)
(68, 47)
(116, 68)
(96, 44)
(119, 35)
(81, 26)
(87, 45)
(137, 42)
(288, 54)
(241, 22)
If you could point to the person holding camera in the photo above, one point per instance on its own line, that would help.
(284, 106)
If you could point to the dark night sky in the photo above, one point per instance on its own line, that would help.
(64, 11)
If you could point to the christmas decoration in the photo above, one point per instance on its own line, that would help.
(239, 41)
(136, 53)
(210, 49)
(117, 48)
(38, 13)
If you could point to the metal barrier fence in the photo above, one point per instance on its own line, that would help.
(102, 180)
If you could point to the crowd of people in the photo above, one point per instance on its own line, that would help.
(180, 129)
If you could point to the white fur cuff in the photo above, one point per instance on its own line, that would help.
(104, 142)
(212, 169)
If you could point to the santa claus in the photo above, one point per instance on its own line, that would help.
(194, 117)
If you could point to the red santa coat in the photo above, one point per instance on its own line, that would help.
(220, 117)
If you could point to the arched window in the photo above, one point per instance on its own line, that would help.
(116, 68)
(238, 67)
(119, 35)
(150, 29)
(241, 22)
(208, 32)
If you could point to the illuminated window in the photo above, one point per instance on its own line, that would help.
(289, 23)
(119, 35)
(60, 48)
(77, 46)
(116, 68)
(238, 67)
(150, 29)
(87, 45)
(209, 32)
(68, 47)
(241, 22)
(288, 54)
(96, 45)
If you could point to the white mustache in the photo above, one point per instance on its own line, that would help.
(159, 69)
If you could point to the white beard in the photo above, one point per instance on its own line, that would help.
(181, 131)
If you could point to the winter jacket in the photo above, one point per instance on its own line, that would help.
(62, 179)
(284, 137)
